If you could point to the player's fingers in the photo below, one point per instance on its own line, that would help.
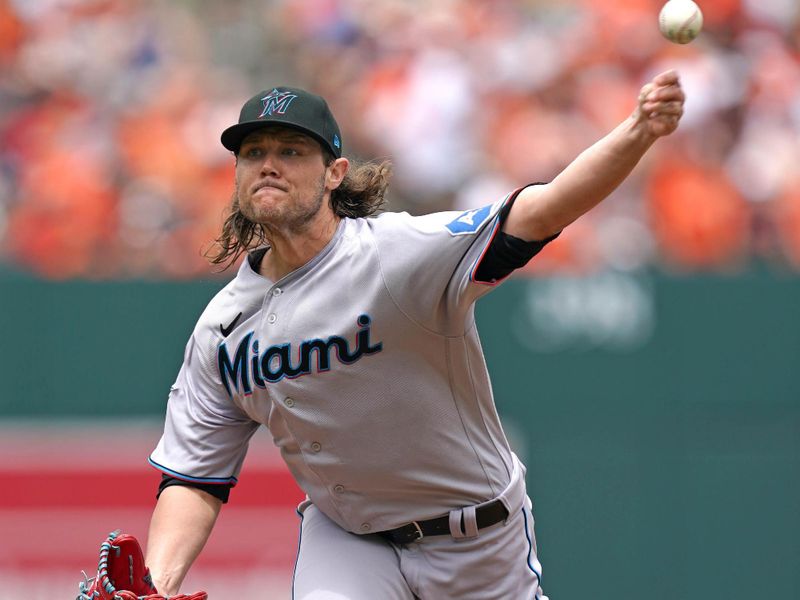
(644, 93)
(666, 78)
(667, 94)
(663, 108)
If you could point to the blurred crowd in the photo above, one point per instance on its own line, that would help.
(111, 110)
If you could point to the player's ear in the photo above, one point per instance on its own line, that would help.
(335, 173)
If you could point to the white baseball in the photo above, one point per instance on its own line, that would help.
(680, 21)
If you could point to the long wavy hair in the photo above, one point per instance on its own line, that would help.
(361, 194)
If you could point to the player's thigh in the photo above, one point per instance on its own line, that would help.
(333, 564)
(500, 564)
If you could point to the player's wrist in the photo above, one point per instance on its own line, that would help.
(165, 589)
(638, 132)
(166, 584)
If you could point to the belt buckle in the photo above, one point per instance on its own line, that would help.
(418, 532)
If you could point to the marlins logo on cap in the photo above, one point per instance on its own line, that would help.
(276, 102)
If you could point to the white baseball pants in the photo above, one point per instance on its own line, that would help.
(499, 564)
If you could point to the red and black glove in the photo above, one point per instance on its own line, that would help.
(122, 574)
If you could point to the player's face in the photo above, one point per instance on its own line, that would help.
(281, 178)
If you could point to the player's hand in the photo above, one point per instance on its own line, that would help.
(660, 105)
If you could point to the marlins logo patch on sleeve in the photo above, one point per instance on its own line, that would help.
(469, 221)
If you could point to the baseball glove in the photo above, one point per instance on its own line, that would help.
(122, 574)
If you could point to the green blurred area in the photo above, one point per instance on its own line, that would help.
(659, 416)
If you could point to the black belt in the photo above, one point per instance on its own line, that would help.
(485, 515)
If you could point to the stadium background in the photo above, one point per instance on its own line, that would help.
(646, 364)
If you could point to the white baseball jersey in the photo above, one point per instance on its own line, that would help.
(366, 367)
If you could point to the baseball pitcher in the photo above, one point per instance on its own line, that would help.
(351, 336)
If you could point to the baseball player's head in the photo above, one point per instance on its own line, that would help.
(288, 157)
(289, 167)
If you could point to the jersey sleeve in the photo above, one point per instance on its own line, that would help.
(205, 435)
(436, 266)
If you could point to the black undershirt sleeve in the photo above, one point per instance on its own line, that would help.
(507, 252)
(220, 491)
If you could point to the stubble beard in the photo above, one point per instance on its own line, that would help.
(287, 216)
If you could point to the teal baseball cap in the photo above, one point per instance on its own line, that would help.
(289, 107)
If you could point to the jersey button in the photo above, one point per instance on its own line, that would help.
(366, 527)
(289, 402)
(339, 489)
(277, 292)
(316, 446)
(272, 318)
